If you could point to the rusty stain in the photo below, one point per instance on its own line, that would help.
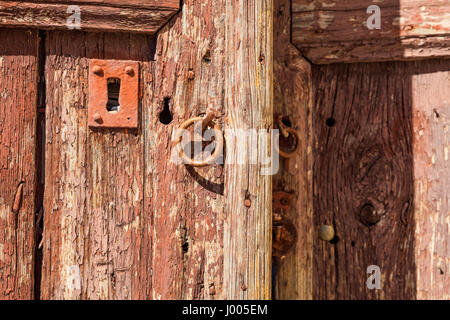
(281, 200)
(284, 232)
(248, 203)
(127, 115)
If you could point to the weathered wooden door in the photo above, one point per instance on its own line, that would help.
(104, 214)
(97, 212)
(374, 164)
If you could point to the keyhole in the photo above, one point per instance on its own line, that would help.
(165, 117)
(113, 105)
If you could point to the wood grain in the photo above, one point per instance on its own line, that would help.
(248, 49)
(94, 182)
(430, 83)
(380, 171)
(112, 15)
(187, 204)
(363, 180)
(121, 220)
(19, 74)
(293, 93)
(336, 31)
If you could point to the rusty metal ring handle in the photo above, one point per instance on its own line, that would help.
(206, 120)
(286, 131)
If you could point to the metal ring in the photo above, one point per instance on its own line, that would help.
(288, 155)
(207, 120)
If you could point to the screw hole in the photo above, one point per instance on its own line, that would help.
(330, 122)
(286, 121)
(335, 240)
(207, 57)
(165, 117)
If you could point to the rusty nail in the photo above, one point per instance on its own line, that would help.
(130, 71)
(18, 198)
(326, 233)
(248, 203)
(98, 70)
(212, 289)
(191, 75)
(244, 287)
(98, 118)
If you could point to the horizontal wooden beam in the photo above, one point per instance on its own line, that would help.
(338, 31)
(91, 15)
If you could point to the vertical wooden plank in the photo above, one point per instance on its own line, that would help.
(94, 182)
(431, 113)
(293, 99)
(197, 69)
(248, 105)
(18, 98)
(363, 180)
(186, 205)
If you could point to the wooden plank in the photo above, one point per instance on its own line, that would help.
(112, 15)
(121, 220)
(94, 182)
(336, 31)
(19, 74)
(363, 180)
(381, 179)
(248, 105)
(431, 121)
(187, 204)
(293, 99)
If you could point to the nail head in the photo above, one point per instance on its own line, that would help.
(98, 70)
(326, 233)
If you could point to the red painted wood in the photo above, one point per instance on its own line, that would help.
(18, 98)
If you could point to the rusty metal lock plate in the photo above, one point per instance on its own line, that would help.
(113, 94)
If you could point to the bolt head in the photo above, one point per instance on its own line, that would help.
(248, 203)
(98, 70)
(326, 233)
(130, 71)
(98, 118)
